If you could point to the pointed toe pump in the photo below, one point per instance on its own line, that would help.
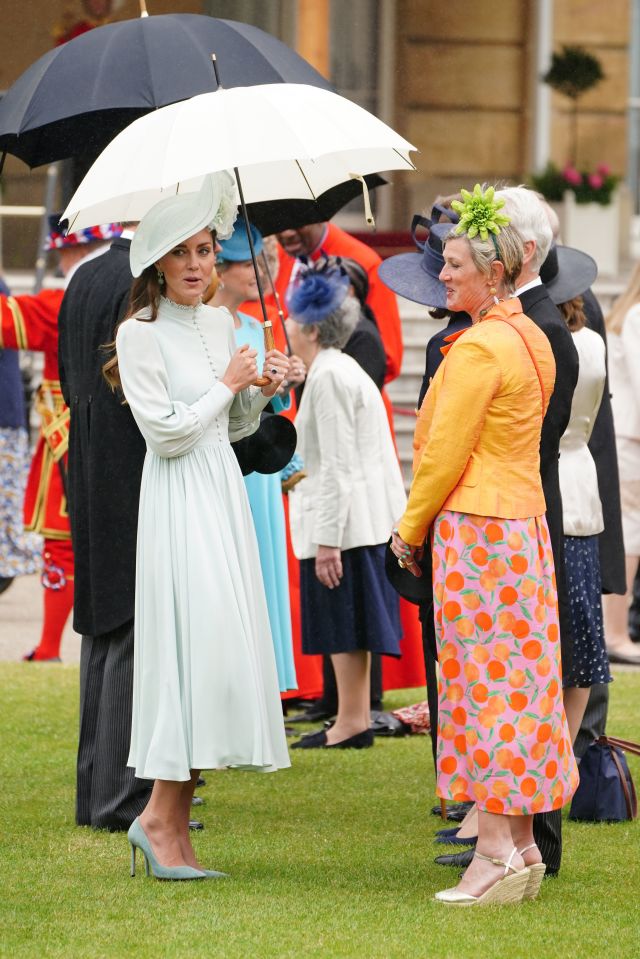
(138, 839)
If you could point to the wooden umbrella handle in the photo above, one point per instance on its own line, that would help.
(269, 344)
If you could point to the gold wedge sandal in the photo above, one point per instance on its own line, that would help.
(537, 871)
(506, 891)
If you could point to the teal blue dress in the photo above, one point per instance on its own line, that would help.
(265, 498)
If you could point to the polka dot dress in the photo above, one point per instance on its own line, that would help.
(582, 571)
(503, 738)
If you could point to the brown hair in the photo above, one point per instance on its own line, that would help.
(573, 313)
(145, 292)
(615, 319)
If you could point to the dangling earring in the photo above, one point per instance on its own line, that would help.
(492, 292)
(160, 277)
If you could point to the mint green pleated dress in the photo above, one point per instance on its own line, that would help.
(206, 690)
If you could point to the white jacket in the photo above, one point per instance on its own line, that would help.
(581, 506)
(624, 376)
(353, 492)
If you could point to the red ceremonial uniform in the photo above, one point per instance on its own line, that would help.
(409, 670)
(31, 323)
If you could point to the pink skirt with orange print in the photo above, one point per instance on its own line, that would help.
(503, 738)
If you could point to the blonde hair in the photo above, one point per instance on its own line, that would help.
(483, 253)
(615, 319)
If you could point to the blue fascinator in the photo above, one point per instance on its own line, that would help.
(317, 293)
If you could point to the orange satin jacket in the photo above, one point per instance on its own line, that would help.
(477, 439)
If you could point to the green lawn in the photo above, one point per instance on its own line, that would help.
(332, 858)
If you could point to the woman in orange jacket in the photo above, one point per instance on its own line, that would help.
(503, 738)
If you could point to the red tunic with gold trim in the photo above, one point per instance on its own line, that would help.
(31, 323)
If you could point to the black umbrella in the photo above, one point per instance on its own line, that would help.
(277, 215)
(76, 98)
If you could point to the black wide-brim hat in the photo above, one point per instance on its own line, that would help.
(415, 275)
(270, 448)
(415, 589)
(567, 273)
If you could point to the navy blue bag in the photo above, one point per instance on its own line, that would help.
(606, 792)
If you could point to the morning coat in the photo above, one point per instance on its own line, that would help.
(106, 449)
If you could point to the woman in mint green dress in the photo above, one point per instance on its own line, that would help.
(237, 284)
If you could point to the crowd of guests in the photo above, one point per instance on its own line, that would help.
(510, 535)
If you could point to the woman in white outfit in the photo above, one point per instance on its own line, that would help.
(623, 329)
(205, 684)
(582, 517)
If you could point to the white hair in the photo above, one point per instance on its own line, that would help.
(336, 328)
(529, 219)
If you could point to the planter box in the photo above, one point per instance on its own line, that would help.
(592, 228)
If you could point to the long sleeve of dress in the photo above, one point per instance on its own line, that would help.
(244, 415)
(170, 427)
(457, 423)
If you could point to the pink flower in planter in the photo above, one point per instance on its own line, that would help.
(595, 181)
(603, 169)
(572, 176)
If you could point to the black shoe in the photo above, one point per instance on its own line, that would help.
(197, 801)
(313, 714)
(456, 841)
(31, 658)
(319, 741)
(195, 824)
(360, 741)
(456, 811)
(5, 583)
(459, 859)
(312, 741)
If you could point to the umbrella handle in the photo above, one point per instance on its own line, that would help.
(269, 344)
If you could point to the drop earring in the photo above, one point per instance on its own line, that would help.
(493, 292)
(160, 277)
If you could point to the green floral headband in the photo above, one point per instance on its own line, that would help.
(479, 214)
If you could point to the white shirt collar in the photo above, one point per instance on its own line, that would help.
(528, 286)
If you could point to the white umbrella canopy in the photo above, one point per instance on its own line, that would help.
(288, 141)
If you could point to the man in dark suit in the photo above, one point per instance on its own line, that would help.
(106, 454)
(529, 218)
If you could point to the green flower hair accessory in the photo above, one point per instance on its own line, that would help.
(479, 213)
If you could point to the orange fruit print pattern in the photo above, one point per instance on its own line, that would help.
(503, 739)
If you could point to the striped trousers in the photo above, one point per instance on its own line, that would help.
(108, 795)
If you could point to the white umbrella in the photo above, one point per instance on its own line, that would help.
(287, 141)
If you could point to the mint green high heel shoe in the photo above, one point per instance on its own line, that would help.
(138, 840)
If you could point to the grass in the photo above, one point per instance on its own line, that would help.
(333, 858)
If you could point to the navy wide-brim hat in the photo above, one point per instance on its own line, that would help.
(567, 273)
(415, 275)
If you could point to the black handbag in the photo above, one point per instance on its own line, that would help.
(606, 792)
